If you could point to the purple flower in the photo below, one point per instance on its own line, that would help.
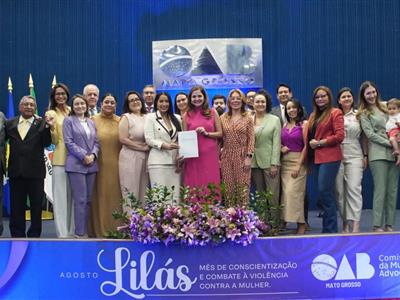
(232, 233)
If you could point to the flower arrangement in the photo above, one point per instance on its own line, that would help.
(201, 222)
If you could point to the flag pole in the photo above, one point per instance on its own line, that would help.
(10, 86)
(54, 82)
(30, 81)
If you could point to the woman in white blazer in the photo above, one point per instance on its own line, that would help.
(161, 134)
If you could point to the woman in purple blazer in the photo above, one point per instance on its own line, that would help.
(81, 166)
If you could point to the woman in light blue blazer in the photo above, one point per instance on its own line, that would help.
(83, 148)
(373, 116)
(161, 134)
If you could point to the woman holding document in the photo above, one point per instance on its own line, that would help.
(161, 134)
(203, 170)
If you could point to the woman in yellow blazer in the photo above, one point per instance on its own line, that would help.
(62, 205)
(266, 159)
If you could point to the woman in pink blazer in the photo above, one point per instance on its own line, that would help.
(324, 133)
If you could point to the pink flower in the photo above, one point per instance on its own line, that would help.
(231, 211)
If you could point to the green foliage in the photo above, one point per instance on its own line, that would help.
(270, 214)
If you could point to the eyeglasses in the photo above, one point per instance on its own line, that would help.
(320, 96)
(60, 94)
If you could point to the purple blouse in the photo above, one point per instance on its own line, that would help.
(293, 139)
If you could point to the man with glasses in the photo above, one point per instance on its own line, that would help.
(149, 94)
(250, 100)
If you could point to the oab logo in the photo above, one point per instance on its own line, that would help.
(324, 267)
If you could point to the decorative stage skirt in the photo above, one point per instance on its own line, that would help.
(293, 189)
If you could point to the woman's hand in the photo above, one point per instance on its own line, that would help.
(89, 159)
(314, 143)
(284, 150)
(171, 146)
(179, 161)
(50, 119)
(247, 163)
(365, 162)
(296, 172)
(145, 147)
(273, 171)
(201, 130)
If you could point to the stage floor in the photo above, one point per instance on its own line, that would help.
(315, 223)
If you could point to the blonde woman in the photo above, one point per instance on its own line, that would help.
(373, 117)
(238, 149)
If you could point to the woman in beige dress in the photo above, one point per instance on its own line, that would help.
(106, 194)
(133, 175)
(293, 170)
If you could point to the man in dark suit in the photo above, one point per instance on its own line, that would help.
(28, 135)
(149, 95)
(2, 165)
(283, 94)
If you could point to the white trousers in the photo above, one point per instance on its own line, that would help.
(62, 204)
(348, 188)
(165, 175)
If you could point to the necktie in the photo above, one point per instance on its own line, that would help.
(23, 128)
(283, 114)
(148, 109)
(92, 112)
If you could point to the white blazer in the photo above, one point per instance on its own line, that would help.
(156, 133)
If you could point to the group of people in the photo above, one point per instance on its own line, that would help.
(243, 142)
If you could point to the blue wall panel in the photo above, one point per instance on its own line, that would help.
(305, 43)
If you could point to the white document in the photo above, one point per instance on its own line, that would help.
(188, 146)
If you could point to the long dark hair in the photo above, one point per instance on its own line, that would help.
(300, 111)
(341, 91)
(125, 106)
(52, 98)
(170, 113)
(176, 109)
(318, 116)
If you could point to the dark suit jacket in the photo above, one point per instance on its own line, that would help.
(2, 145)
(79, 145)
(276, 110)
(27, 156)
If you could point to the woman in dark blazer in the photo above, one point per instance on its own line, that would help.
(324, 133)
(83, 148)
